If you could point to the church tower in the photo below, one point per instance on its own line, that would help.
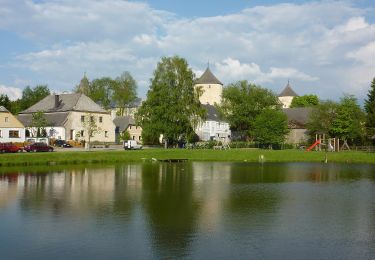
(211, 88)
(286, 96)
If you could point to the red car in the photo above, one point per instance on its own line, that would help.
(9, 148)
(38, 147)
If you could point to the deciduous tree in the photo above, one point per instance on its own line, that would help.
(305, 101)
(124, 92)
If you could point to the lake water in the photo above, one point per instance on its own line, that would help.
(189, 210)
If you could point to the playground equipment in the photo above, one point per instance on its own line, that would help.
(331, 144)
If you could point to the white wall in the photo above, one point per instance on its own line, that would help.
(215, 129)
(52, 132)
(286, 101)
(4, 137)
(211, 93)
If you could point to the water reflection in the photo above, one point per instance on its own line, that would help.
(191, 210)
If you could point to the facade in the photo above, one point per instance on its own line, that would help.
(211, 88)
(129, 110)
(297, 119)
(286, 96)
(66, 114)
(11, 129)
(127, 123)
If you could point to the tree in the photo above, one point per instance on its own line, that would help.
(38, 124)
(305, 101)
(349, 121)
(271, 127)
(124, 92)
(90, 127)
(321, 119)
(84, 86)
(172, 107)
(31, 96)
(370, 109)
(5, 101)
(242, 102)
(125, 135)
(101, 91)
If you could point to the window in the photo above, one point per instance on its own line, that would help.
(140, 138)
(14, 134)
(100, 119)
(106, 133)
(92, 119)
(130, 126)
(133, 137)
(6, 119)
(0, 134)
(136, 127)
(82, 133)
(82, 119)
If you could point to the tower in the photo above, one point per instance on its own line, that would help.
(211, 88)
(286, 96)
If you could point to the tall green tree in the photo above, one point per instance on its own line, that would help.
(370, 109)
(242, 102)
(271, 127)
(101, 91)
(349, 123)
(320, 121)
(124, 92)
(305, 101)
(31, 96)
(5, 101)
(172, 107)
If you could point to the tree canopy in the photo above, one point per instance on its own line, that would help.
(370, 109)
(172, 107)
(271, 127)
(242, 102)
(305, 101)
(124, 92)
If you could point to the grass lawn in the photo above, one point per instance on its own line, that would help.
(249, 155)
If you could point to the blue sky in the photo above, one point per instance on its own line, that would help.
(323, 47)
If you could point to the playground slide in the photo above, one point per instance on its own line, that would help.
(313, 145)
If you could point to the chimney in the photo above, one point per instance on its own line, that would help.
(57, 101)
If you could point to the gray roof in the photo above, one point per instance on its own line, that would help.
(66, 102)
(212, 113)
(53, 119)
(3, 109)
(122, 122)
(298, 116)
(208, 78)
(288, 92)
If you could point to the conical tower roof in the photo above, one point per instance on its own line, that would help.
(208, 78)
(288, 92)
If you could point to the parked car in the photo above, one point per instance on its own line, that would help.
(62, 143)
(10, 148)
(132, 145)
(38, 147)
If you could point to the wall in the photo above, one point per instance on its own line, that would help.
(213, 129)
(74, 123)
(296, 136)
(211, 93)
(8, 122)
(286, 101)
(4, 136)
(135, 133)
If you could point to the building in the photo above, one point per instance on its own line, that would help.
(211, 88)
(11, 129)
(297, 119)
(213, 128)
(65, 115)
(127, 123)
(286, 96)
(129, 110)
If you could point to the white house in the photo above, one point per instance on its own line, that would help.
(11, 129)
(66, 114)
(286, 96)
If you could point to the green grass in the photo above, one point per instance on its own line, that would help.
(249, 155)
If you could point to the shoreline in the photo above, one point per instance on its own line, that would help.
(232, 155)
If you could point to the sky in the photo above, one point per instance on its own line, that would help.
(325, 48)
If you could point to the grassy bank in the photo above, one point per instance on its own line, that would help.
(250, 155)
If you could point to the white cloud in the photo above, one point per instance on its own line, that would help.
(323, 47)
(12, 92)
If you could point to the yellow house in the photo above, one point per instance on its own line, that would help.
(11, 130)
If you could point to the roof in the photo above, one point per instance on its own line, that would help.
(3, 109)
(288, 92)
(53, 119)
(298, 116)
(122, 122)
(66, 102)
(208, 78)
(212, 113)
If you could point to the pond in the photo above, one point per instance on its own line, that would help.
(194, 210)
